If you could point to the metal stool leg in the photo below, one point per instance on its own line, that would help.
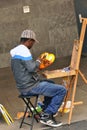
(24, 116)
(28, 106)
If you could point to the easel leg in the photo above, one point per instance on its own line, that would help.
(83, 77)
(72, 100)
(68, 86)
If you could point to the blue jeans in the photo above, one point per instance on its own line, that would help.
(53, 95)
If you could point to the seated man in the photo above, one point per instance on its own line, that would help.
(29, 81)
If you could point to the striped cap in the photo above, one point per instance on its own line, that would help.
(29, 34)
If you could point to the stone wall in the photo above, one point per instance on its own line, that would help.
(53, 21)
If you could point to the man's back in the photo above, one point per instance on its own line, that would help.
(23, 67)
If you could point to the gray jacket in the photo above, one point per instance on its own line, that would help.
(24, 67)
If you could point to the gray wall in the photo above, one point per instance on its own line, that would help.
(53, 21)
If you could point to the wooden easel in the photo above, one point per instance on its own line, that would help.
(72, 73)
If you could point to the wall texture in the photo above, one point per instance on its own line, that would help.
(53, 21)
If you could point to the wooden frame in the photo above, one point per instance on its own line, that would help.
(72, 71)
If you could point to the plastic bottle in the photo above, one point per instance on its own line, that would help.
(39, 102)
(39, 105)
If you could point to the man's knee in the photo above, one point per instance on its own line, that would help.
(64, 91)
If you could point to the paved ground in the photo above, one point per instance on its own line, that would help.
(80, 125)
(9, 98)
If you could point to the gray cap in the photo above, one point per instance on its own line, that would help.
(29, 34)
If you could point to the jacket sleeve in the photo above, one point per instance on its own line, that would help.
(31, 65)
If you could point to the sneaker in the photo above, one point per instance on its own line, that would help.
(44, 116)
(50, 121)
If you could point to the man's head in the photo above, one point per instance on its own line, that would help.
(28, 38)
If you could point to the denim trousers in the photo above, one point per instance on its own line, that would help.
(53, 95)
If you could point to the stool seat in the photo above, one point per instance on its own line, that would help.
(27, 96)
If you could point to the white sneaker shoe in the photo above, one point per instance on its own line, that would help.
(50, 121)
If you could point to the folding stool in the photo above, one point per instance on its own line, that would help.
(31, 107)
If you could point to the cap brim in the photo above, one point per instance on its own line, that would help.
(36, 41)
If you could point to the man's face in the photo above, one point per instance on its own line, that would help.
(30, 43)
